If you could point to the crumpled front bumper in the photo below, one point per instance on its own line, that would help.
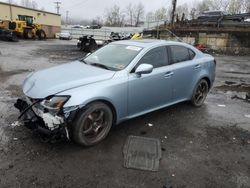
(45, 124)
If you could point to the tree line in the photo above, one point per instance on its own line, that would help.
(134, 14)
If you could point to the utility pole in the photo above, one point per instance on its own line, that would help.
(174, 2)
(11, 16)
(57, 6)
(67, 17)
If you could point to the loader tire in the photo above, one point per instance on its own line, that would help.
(27, 34)
(41, 34)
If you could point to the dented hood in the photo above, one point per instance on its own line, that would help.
(63, 77)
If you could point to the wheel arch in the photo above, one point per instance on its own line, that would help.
(110, 105)
(208, 81)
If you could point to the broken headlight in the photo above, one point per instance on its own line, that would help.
(54, 102)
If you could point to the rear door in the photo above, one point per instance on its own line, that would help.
(185, 71)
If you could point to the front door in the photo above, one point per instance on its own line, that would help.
(149, 91)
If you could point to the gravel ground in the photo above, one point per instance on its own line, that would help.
(201, 147)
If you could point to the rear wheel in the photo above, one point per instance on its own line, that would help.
(93, 124)
(200, 93)
(41, 34)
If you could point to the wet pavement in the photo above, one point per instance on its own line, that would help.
(201, 147)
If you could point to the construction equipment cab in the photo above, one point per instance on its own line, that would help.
(25, 28)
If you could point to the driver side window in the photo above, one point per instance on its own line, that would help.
(157, 57)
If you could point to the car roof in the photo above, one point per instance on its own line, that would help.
(147, 43)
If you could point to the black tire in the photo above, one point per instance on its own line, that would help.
(27, 33)
(92, 124)
(200, 93)
(41, 34)
(93, 46)
(14, 38)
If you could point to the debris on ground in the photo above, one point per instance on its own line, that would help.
(221, 105)
(150, 124)
(165, 137)
(15, 139)
(15, 124)
(247, 115)
(142, 153)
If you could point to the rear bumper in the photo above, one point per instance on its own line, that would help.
(45, 124)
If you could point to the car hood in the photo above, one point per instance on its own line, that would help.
(64, 77)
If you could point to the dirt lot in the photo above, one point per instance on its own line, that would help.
(202, 147)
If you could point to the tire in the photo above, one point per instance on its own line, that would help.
(27, 33)
(92, 124)
(200, 93)
(41, 34)
(93, 46)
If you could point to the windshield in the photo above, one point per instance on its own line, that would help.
(113, 56)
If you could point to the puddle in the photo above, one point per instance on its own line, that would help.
(5, 74)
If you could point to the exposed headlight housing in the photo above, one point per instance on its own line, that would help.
(54, 102)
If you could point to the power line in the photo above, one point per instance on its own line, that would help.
(57, 6)
(77, 4)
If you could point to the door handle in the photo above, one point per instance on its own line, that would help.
(197, 66)
(168, 74)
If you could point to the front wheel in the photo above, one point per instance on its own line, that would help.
(92, 124)
(200, 93)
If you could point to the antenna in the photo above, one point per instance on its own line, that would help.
(57, 6)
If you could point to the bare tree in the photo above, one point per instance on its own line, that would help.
(161, 14)
(235, 6)
(182, 10)
(97, 21)
(202, 6)
(130, 13)
(29, 3)
(114, 16)
(138, 13)
(150, 17)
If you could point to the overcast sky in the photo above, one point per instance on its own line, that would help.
(89, 9)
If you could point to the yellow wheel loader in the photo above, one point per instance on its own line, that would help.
(24, 27)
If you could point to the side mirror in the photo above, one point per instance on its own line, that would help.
(144, 69)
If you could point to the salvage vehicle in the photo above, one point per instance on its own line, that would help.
(8, 35)
(87, 43)
(211, 14)
(122, 80)
(65, 36)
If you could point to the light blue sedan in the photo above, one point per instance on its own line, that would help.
(122, 80)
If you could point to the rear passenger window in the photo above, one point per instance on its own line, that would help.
(156, 57)
(191, 54)
(181, 53)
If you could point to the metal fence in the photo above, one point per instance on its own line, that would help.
(100, 34)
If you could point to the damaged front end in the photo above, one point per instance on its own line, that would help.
(47, 117)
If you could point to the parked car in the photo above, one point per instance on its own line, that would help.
(94, 26)
(7, 35)
(77, 27)
(211, 14)
(120, 81)
(65, 36)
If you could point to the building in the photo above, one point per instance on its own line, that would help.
(51, 22)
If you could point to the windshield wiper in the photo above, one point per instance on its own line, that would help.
(100, 65)
(82, 60)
